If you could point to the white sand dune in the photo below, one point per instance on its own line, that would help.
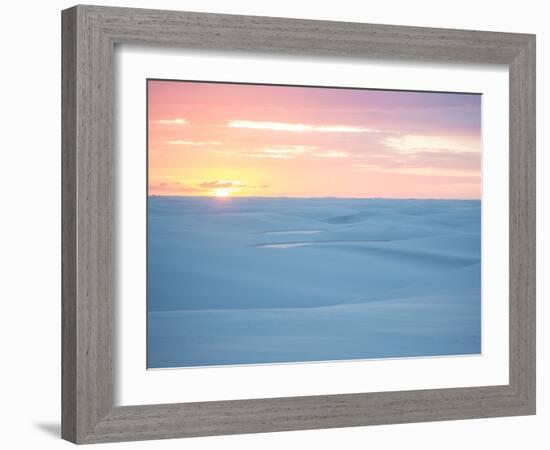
(292, 232)
(301, 244)
(229, 284)
(285, 245)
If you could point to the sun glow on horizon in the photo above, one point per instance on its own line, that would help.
(222, 192)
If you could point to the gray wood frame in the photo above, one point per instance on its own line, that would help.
(89, 36)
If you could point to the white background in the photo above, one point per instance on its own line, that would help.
(135, 386)
(30, 225)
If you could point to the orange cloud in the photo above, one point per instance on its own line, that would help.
(220, 184)
(176, 121)
(194, 143)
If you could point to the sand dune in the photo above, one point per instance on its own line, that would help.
(292, 232)
(251, 280)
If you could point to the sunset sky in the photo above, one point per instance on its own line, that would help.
(218, 139)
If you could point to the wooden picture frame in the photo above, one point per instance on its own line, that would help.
(89, 37)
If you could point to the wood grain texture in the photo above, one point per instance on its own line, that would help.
(522, 281)
(88, 265)
(68, 227)
(89, 36)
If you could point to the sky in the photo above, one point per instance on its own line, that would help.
(223, 140)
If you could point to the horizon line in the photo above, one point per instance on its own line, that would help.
(306, 197)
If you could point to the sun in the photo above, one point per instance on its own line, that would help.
(222, 192)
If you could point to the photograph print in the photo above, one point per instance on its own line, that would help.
(294, 224)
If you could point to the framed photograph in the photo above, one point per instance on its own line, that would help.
(279, 224)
